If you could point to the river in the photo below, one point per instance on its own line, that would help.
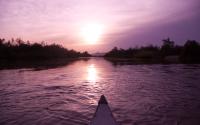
(153, 94)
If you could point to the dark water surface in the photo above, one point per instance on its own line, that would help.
(68, 95)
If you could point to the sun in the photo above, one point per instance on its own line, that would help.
(92, 32)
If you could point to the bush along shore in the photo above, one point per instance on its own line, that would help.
(169, 52)
(18, 52)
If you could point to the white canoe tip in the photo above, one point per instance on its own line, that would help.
(103, 114)
(103, 100)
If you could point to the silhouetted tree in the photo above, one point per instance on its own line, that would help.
(167, 48)
(85, 54)
(189, 53)
(20, 50)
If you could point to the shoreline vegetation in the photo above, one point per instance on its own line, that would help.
(168, 53)
(16, 53)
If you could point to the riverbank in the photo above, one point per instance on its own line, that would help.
(39, 64)
(17, 53)
(167, 60)
(189, 53)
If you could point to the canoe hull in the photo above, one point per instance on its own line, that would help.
(103, 114)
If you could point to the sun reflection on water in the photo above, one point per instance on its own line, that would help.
(92, 78)
(92, 74)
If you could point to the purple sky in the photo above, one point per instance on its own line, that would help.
(127, 22)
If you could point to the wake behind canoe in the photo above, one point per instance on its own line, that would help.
(103, 114)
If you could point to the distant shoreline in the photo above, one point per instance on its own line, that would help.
(16, 53)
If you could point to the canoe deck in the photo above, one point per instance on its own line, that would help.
(103, 114)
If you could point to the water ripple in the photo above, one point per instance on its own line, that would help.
(137, 94)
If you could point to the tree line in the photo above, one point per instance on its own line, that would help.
(187, 53)
(17, 49)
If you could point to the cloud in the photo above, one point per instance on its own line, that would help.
(62, 19)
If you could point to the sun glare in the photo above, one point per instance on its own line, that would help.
(92, 33)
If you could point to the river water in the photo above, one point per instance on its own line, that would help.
(67, 95)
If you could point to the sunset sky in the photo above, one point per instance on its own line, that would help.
(123, 23)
